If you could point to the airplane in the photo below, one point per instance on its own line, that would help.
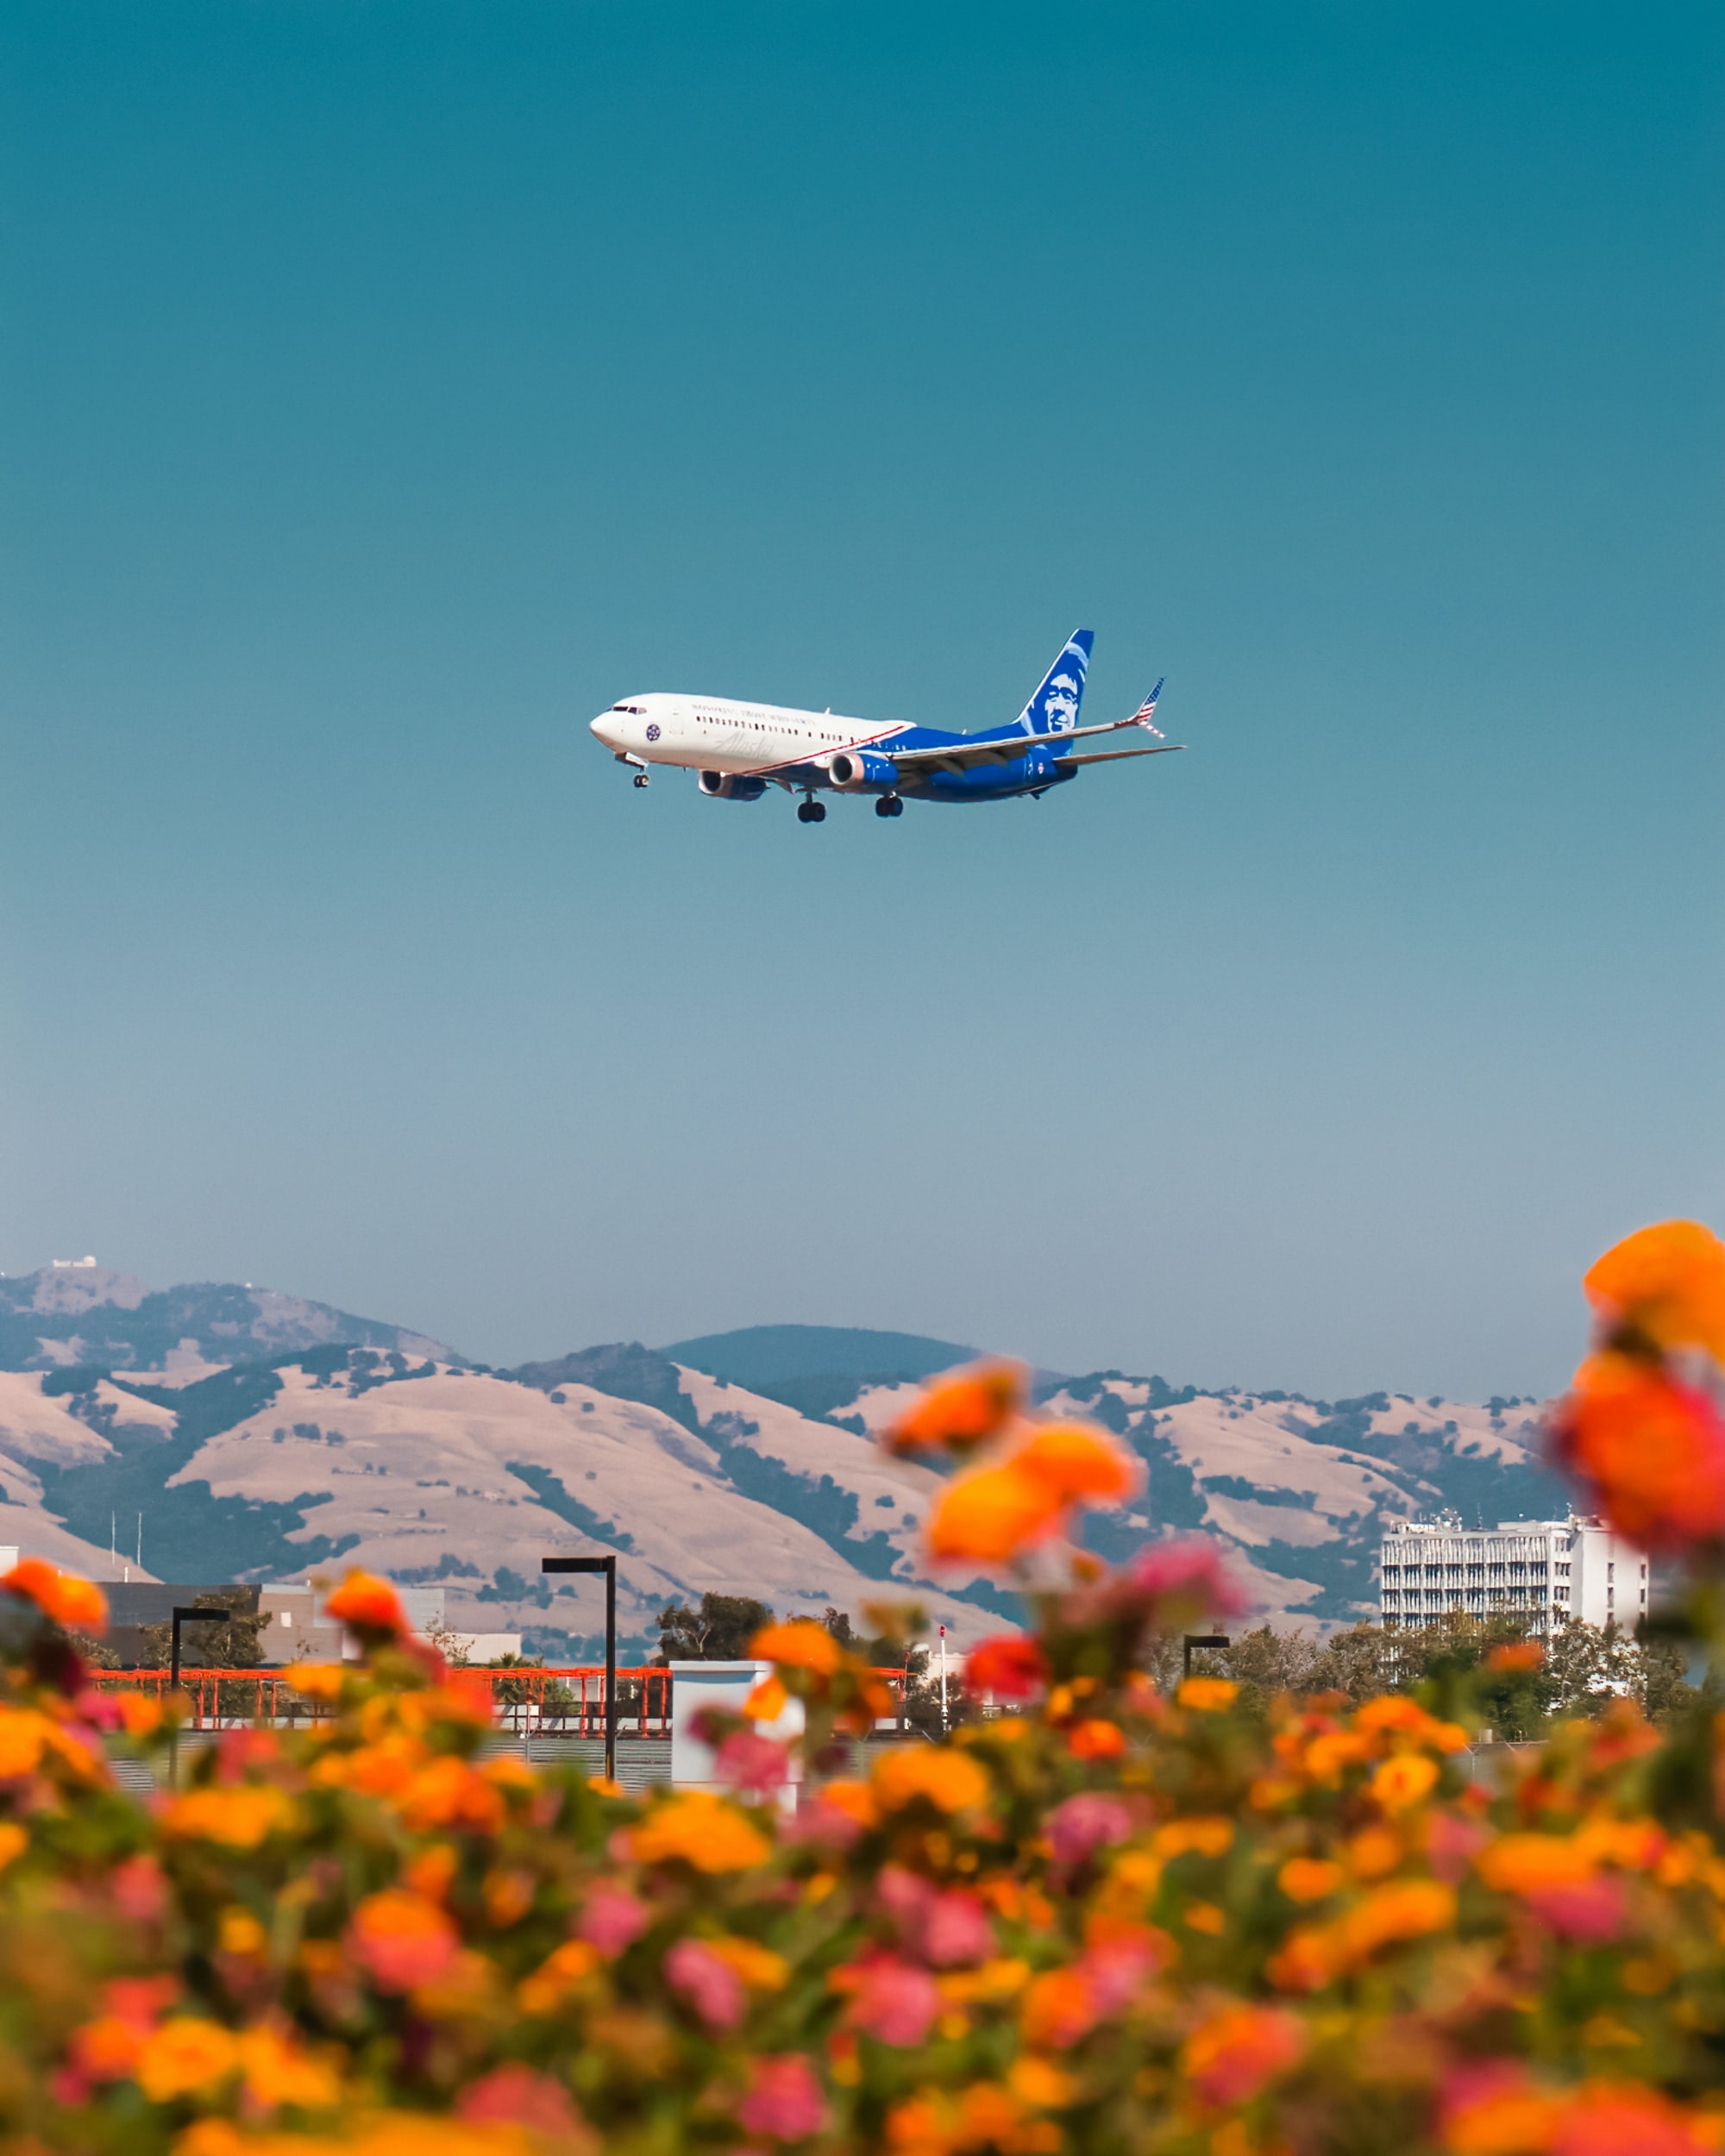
(739, 750)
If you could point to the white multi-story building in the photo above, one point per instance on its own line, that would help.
(1537, 1568)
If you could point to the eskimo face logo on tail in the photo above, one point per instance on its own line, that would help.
(1060, 702)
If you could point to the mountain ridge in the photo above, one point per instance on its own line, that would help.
(394, 1451)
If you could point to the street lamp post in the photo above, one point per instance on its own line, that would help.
(180, 1615)
(608, 1566)
(1200, 1639)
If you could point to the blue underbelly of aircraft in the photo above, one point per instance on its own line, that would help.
(987, 782)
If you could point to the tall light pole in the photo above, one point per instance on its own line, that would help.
(608, 1566)
(180, 1615)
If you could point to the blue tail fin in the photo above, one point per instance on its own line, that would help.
(1054, 708)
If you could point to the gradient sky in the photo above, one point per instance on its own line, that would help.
(389, 387)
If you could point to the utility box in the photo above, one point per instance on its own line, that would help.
(697, 1685)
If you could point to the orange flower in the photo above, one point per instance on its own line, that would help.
(948, 1780)
(991, 1514)
(1668, 1283)
(961, 1411)
(1527, 1864)
(1209, 1695)
(402, 1939)
(1229, 2058)
(243, 1818)
(803, 1644)
(1410, 1908)
(451, 1794)
(72, 1603)
(184, 2054)
(1404, 1781)
(367, 1604)
(1516, 1657)
(1096, 1740)
(1059, 2009)
(1653, 1448)
(1496, 2109)
(1080, 1465)
(278, 2069)
(701, 1830)
(23, 1733)
(1310, 1879)
(1628, 2119)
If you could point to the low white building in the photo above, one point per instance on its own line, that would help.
(1536, 1569)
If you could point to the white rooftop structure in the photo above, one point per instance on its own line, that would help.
(1536, 1569)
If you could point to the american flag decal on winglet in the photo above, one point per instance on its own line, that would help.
(1146, 711)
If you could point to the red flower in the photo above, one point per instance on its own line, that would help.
(1010, 1664)
(367, 1604)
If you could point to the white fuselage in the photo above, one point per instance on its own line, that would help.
(713, 733)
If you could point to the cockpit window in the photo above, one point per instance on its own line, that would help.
(636, 710)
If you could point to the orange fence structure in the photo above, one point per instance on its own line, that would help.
(543, 1702)
(566, 1702)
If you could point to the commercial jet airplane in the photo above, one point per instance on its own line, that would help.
(740, 750)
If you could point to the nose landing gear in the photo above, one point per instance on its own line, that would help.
(811, 811)
(889, 805)
(641, 778)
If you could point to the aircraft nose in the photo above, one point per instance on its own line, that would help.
(604, 728)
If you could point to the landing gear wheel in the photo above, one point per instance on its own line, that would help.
(889, 805)
(811, 813)
(641, 778)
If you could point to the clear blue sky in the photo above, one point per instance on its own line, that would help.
(388, 387)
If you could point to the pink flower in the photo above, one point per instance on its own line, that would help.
(1188, 1575)
(956, 1931)
(711, 1986)
(1084, 1824)
(140, 1889)
(1115, 1971)
(1452, 1845)
(892, 2001)
(747, 1761)
(948, 1929)
(516, 2095)
(612, 1919)
(784, 2100)
(1589, 1911)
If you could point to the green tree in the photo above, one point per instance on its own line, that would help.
(231, 1640)
(720, 1631)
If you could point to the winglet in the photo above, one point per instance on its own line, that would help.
(1146, 711)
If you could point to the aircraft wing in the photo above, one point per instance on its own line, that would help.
(964, 754)
(1114, 756)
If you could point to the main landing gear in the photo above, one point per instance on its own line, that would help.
(889, 805)
(811, 811)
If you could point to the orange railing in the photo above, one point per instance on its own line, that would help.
(566, 1702)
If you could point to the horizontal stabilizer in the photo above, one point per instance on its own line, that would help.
(1114, 756)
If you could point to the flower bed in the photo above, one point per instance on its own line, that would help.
(1109, 1920)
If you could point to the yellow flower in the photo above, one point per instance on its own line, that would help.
(568, 1965)
(1408, 1909)
(1207, 1695)
(948, 1780)
(1205, 1916)
(184, 2055)
(702, 1830)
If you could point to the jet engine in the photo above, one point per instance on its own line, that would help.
(730, 785)
(854, 767)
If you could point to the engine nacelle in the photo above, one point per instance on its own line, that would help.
(852, 769)
(731, 786)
